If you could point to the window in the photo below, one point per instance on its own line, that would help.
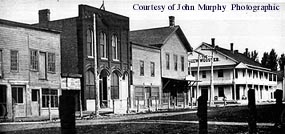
(115, 47)
(49, 95)
(193, 73)
(90, 48)
(243, 73)
(155, 92)
(90, 85)
(115, 86)
(249, 73)
(14, 60)
(17, 94)
(141, 68)
(221, 92)
(189, 68)
(103, 46)
(147, 92)
(236, 73)
(167, 61)
(270, 77)
(139, 93)
(182, 63)
(204, 75)
(175, 62)
(274, 77)
(34, 65)
(35, 93)
(1, 64)
(51, 62)
(220, 73)
(152, 69)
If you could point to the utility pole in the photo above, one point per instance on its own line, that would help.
(211, 100)
(95, 68)
(198, 77)
(211, 81)
(198, 73)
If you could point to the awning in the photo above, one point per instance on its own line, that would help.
(180, 84)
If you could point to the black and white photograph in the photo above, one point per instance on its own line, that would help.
(142, 67)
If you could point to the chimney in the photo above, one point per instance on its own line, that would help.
(213, 42)
(232, 47)
(246, 51)
(171, 21)
(44, 17)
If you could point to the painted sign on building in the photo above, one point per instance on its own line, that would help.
(204, 60)
(70, 83)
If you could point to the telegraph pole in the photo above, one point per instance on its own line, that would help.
(211, 100)
(95, 68)
(211, 81)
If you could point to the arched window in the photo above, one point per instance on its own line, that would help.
(103, 45)
(115, 47)
(90, 45)
(115, 86)
(90, 85)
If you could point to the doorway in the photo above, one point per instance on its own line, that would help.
(103, 89)
(3, 101)
(35, 102)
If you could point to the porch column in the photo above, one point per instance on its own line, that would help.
(259, 93)
(234, 85)
(246, 85)
(265, 92)
(189, 94)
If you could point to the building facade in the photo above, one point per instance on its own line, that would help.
(159, 61)
(233, 74)
(281, 81)
(95, 48)
(29, 70)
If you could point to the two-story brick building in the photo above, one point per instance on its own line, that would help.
(95, 40)
(159, 57)
(29, 70)
(233, 74)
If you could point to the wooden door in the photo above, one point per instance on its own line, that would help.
(35, 102)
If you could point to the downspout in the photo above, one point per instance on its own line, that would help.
(161, 85)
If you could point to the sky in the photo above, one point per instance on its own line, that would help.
(261, 31)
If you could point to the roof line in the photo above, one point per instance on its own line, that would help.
(168, 37)
(28, 26)
(148, 46)
(220, 52)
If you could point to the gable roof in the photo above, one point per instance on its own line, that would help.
(28, 26)
(157, 37)
(238, 57)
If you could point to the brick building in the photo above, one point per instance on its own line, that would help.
(108, 34)
(29, 70)
(159, 62)
(233, 74)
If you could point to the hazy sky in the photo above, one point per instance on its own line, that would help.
(259, 30)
